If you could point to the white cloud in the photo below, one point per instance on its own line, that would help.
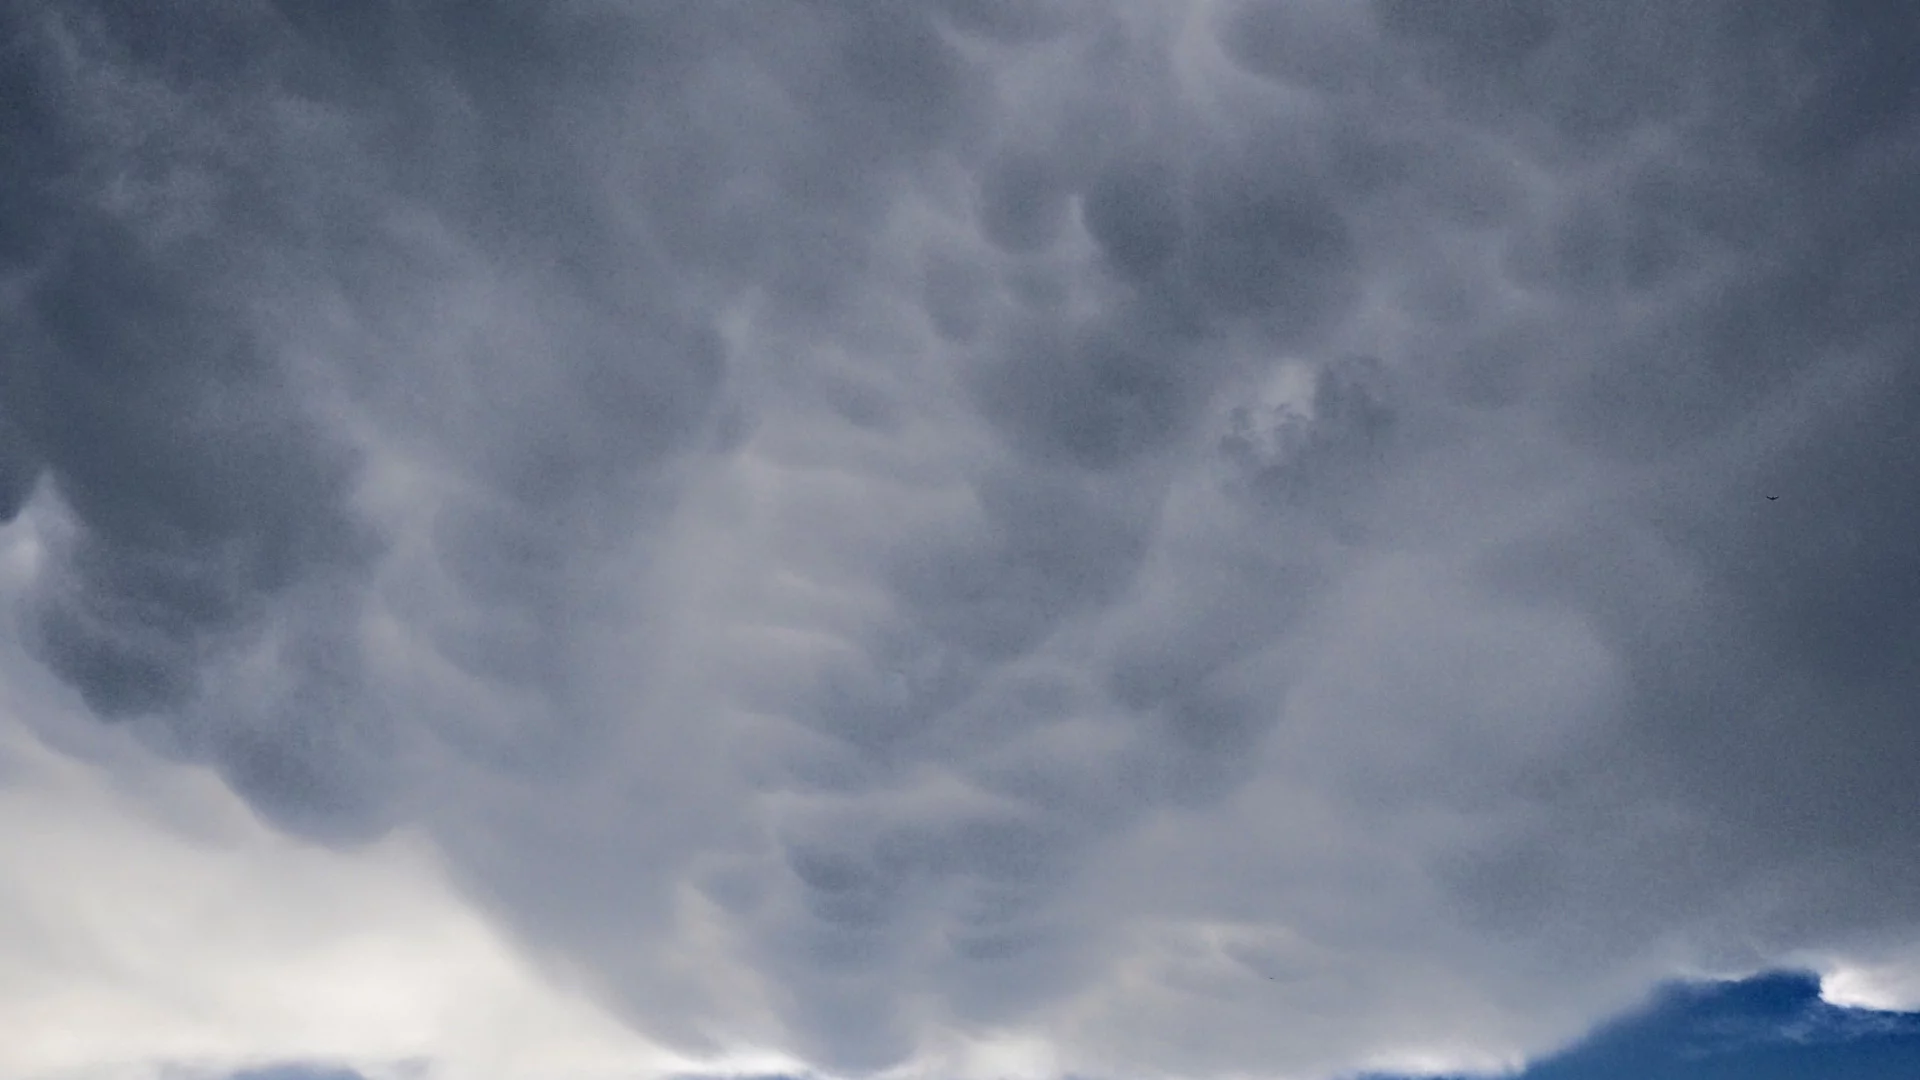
(149, 920)
(1890, 981)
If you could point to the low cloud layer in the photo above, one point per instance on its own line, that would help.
(1188, 539)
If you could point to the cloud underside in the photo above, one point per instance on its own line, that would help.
(1212, 538)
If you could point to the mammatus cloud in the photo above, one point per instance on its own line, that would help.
(1175, 538)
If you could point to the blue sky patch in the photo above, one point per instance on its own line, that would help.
(1770, 1027)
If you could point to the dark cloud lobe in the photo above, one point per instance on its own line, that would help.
(1010, 22)
(1268, 244)
(1493, 32)
(1133, 211)
(19, 468)
(1022, 202)
(1096, 396)
(1293, 43)
(165, 427)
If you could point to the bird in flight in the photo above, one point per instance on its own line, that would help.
(1770, 498)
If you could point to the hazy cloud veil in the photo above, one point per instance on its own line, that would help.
(1218, 538)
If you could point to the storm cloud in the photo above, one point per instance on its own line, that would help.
(1211, 538)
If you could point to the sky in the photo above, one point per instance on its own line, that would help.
(979, 539)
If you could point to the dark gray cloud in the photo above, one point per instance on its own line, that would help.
(1022, 201)
(1761, 650)
(146, 396)
(1097, 396)
(1133, 212)
(1266, 242)
(853, 522)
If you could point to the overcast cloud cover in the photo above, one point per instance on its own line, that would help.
(975, 536)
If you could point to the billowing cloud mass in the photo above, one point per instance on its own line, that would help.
(1002, 536)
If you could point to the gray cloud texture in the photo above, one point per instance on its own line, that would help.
(1232, 535)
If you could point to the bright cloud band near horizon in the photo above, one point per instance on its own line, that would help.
(990, 539)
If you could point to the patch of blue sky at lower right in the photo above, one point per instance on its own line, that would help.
(1774, 1026)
